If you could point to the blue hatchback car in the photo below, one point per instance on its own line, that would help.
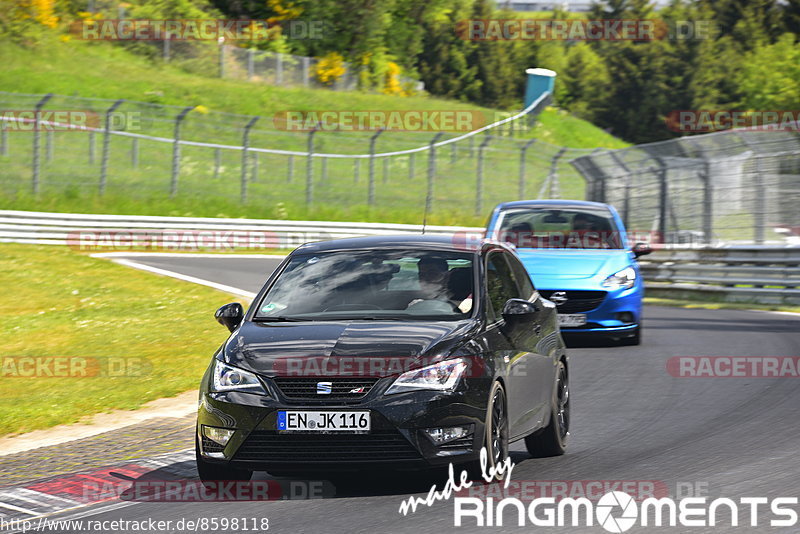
(578, 256)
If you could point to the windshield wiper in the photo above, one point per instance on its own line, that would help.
(278, 319)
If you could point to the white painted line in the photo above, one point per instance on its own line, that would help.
(16, 494)
(182, 255)
(18, 509)
(40, 494)
(186, 278)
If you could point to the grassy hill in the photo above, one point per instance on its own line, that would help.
(101, 70)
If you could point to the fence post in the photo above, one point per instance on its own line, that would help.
(165, 48)
(479, 185)
(221, 57)
(385, 170)
(36, 140)
(356, 170)
(626, 206)
(760, 210)
(306, 68)
(290, 169)
(453, 153)
(522, 153)
(4, 141)
(310, 168)
(324, 177)
(555, 189)
(279, 69)
(107, 145)
(251, 67)
(411, 165)
(176, 151)
(431, 176)
(371, 192)
(217, 161)
(663, 198)
(92, 147)
(135, 152)
(245, 147)
(708, 203)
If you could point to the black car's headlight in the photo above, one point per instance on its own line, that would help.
(229, 378)
(442, 376)
(623, 279)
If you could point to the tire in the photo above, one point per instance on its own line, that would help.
(213, 472)
(495, 438)
(635, 339)
(552, 440)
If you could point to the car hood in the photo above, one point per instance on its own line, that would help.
(281, 349)
(572, 264)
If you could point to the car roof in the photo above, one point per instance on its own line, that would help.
(411, 241)
(565, 204)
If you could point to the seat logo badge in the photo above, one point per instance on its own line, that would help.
(324, 388)
(357, 390)
(559, 297)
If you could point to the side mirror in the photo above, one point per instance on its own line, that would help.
(230, 315)
(641, 249)
(518, 309)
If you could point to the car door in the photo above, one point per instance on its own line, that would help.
(513, 348)
(542, 344)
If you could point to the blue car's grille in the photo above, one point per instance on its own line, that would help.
(577, 301)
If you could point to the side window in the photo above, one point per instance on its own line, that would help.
(521, 276)
(500, 283)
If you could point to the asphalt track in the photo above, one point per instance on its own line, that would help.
(631, 421)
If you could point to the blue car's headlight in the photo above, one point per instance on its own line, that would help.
(229, 378)
(623, 279)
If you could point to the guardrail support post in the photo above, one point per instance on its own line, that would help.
(36, 140)
(411, 165)
(306, 68)
(522, 154)
(356, 170)
(290, 169)
(431, 177)
(371, 190)
(479, 185)
(107, 145)
(217, 162)
(245, 155)
(310, 168)
(176, 151)
(135, 153)
(663, 198)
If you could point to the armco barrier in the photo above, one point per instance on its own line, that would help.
(768, 275)
(54, 228)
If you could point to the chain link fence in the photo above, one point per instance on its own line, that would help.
(219, 162)
(724, 188)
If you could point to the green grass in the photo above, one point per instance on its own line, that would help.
(69, 181)
(68, 305)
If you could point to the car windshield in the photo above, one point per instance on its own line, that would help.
(581, 228)
(372, 285)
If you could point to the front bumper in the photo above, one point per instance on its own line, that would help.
(395, 440)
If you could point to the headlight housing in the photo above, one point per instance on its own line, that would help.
(623, 279)
(442, 376)
(229, 378)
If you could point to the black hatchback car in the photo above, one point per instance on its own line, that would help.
(398, 351)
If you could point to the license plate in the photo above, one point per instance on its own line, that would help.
(574, 319)
(341, 421)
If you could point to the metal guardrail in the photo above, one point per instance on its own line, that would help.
(46, 228)
(768, 275)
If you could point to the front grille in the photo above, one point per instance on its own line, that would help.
(382, 445)
(577, 301)
(341, 388)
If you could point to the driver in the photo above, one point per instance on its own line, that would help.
(432, 274)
